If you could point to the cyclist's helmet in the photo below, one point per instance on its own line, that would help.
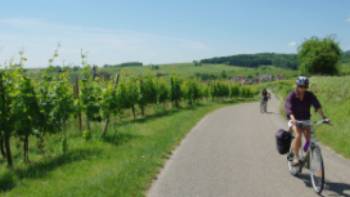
(302, 81)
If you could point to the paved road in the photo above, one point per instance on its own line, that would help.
(231, 152)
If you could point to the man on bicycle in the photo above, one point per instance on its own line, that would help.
(297, 106)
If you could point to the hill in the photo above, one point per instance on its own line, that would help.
(264, 59)
(256, 60)
(346, 57)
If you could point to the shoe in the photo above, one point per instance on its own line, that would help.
(290, 156)
(296, 162)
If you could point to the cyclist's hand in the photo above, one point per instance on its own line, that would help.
(327, 121)
(294, 122)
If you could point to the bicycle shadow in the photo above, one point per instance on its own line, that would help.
(336, 189)
(271, 113)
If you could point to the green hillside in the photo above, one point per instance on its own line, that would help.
(256, 60)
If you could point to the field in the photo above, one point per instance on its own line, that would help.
(334, 93)
(129, 126)
(204, 71)
(345, 69)
(123, 164)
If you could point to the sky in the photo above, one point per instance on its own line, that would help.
(163, 31)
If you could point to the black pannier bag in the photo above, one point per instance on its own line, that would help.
(283, 141)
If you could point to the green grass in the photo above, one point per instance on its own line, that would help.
(344, 69)
(334, 95)
(122, 164)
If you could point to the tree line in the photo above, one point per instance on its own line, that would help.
(346, 57)
(315, 56)
(256, 60)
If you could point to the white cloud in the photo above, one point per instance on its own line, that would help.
(38, 38)
(292, 44)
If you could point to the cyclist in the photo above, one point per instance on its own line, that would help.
(265, 96)
(297, 106)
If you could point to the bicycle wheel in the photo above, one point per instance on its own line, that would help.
(265, 106)
(316, 169)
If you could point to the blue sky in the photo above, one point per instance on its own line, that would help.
(163, 31)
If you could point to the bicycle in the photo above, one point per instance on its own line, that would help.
(263, 106)
(310, 158)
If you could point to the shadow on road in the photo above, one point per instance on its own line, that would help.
(272, 113)
(337, 189)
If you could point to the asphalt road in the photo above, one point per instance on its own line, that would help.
(231, 152)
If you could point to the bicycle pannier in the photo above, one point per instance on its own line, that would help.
(283, 141)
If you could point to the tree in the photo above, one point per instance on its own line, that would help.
(26, 111)
(91, 96)
(163, 90)
(191, 91)
(128, 95)
(220, 89)
(56, 104)
(148, 93)
(196, 63)
(246, 92)
(256, 60)
(234, 91)
(109, 104)
(6, 118)
(319, 56)
(175, 92)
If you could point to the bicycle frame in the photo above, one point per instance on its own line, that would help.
(313, 141)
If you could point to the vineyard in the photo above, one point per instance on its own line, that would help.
(46, 106)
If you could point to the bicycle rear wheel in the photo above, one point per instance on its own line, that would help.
(316, 169)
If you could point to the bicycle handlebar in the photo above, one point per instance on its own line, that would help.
(323, 121)
(316, 123)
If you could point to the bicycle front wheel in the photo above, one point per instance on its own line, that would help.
(316, 169)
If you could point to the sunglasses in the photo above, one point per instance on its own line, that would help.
(304, 87)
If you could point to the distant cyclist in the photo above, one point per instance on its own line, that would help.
(265, 96)
(297, 106)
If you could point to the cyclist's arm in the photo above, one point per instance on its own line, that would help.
(292, 118)
(320, 111)
(316, 104)
(288, 108)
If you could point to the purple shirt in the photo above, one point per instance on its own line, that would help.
(301, 108)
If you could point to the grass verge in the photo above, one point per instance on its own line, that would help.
(334, 94)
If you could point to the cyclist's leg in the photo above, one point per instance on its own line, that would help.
(296, 144)
(307, 135)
